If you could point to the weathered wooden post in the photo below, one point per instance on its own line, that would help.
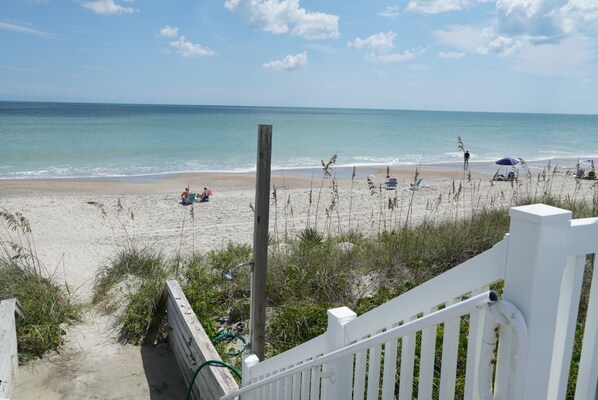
(260, 240)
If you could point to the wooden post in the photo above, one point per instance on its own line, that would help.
(260, 241)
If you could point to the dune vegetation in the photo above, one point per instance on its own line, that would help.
(328, 263)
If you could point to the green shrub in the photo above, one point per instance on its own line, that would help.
(293, 324)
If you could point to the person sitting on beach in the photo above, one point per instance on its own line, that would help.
(205, 195)
(185, 196)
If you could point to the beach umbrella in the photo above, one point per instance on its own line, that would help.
(507, 161)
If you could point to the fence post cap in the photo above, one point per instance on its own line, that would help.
(341, 314)
(250, 359)
(540, 214)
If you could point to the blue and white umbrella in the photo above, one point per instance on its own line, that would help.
(507, 161)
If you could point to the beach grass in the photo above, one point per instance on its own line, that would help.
(130, 284)
(329, 262)
(47, 307)
(326, 260)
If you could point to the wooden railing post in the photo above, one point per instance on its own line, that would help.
(536, 259)
(337, 376)
(260, 241)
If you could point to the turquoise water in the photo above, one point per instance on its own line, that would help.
(50, 140)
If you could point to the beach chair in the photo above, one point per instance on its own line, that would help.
(391, 184)
(415, 185)
(511, 176)
(580, 173)
(189, 200)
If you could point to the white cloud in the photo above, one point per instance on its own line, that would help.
(567, 58)
(169, 31)
(106, 7)
(182, 46)
(577, 15)
(479, 41)
(451, 55)
(187, 49)
(464, 38)
(390, 12)
(380, 48)
(28, 31)
(437, 6)
(315, 26)
(288, 63)
(520, 23)
(501, 45)
(526, 17)
(282, 16)
(231, 5)
(528, 8)
(546, 20)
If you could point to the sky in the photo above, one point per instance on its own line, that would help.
(455, 55)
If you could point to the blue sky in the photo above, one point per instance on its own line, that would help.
(473, 55)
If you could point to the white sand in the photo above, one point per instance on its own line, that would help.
(73, 239)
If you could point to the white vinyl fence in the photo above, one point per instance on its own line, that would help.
(517, 347)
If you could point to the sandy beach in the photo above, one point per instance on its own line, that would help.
(73, 238)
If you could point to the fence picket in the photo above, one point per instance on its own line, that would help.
(315, 383)
(426, 364)
(474, 350)
(566, 323)
(450, 347)
(305, 378)
(390, 370)
(288, 386)
(374, 372)
(407, 364)
(587, 375)
(359, 374)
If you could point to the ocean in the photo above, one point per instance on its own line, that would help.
(76, 140)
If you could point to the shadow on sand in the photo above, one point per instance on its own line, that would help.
(162, 372)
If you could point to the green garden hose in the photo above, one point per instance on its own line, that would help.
(211, 362)
(229, 337)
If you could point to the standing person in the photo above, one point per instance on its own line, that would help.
(466, 159)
